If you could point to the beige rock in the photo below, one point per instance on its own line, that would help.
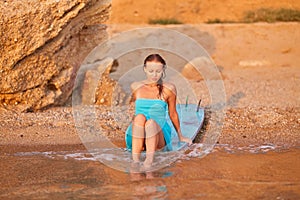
(43, 43)
(199, 69)
(190, 72)
(105, 86)
(89, 87)
(97, 86)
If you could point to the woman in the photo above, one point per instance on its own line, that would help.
(154, 99)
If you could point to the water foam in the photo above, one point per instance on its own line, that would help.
(122, 158)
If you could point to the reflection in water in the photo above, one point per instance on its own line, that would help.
(150, 185)
(152, 190)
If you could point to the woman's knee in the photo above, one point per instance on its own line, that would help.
(150, 122)
(151, 127)
(139, 119)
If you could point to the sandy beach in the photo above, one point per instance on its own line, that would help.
(261, 89)
(257, 152)
(255, 157)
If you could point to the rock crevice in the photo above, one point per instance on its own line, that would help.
(42, 46)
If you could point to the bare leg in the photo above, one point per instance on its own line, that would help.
(138, 136)
(154, 140)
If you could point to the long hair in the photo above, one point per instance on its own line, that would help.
(157, 58)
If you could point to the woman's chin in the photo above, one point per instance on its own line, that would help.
(154, 80)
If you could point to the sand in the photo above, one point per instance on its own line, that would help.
(259, 64)
(189, 12)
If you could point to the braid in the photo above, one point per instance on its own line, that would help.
(160, 88)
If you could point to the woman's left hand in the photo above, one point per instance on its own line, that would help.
(185, 139)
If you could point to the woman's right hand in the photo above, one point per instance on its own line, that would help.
(185, 139)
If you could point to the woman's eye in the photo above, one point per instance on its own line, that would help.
(150, 71)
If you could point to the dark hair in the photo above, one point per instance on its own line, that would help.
(157, 58)
(154, 57)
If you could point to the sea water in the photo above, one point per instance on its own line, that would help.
(193, 151)
(227, 172)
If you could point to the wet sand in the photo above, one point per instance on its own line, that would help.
(219, 175)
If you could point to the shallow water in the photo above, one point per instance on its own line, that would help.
(253, 172)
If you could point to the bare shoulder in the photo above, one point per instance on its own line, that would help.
(170, 87)
(136, 85)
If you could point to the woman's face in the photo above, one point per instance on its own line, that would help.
(154, 71)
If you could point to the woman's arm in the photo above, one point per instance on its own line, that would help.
(134, 86)
(172, 95)
(132, 98)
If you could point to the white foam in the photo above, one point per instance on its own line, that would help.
(120, 157)
(250, 149)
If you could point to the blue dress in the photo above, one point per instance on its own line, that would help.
(154, 109)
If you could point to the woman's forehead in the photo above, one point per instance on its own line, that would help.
(153, 64)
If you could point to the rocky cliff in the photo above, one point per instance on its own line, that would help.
(43, 43)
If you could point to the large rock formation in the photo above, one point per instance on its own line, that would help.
(43, 43)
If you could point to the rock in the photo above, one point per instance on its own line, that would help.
(43, 43)
(97, 86)
(199, 69)
(89, 87)
(191, 73)
(106, 86)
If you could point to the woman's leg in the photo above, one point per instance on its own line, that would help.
(138, 136)
(154, 140)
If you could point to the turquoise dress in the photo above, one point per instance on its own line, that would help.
(154, 109)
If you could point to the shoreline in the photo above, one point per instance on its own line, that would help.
(242, 127)
(219, 175)
(12, 149)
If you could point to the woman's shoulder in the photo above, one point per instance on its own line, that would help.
(170, 87)
(135, 85)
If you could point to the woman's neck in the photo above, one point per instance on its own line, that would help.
(151, 84)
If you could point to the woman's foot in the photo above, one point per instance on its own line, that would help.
(135, 170)
(148, 161)
(135, 167)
